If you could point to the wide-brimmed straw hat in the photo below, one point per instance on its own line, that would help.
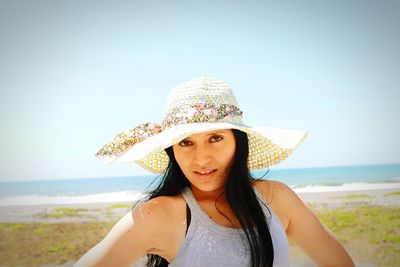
(199, 105)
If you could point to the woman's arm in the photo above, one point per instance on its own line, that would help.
(308, 233)
(130, 238)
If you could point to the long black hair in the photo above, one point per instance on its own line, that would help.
(241, 198)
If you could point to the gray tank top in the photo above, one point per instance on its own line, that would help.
(210, 244)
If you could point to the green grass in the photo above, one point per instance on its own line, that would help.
(37, 244)
(39, 231)
(379, 226)
(62, 213)
(70, 210)
(353, 196)
(59, 213)
(60, 247)
(119, 206)
(15, 226)
(392, 193)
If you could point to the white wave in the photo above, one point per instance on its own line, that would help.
(347, 187)
(125, 196)
(131, 196)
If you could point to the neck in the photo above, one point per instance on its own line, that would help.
(209, 195)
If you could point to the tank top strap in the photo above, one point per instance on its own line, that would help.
(264, 205)
(200, 216)
(189, 198)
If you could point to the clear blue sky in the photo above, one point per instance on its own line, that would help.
(75, 73)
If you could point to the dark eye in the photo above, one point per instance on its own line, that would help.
(185, 143)
(216, 138)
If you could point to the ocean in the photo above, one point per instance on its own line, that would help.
(129, 189)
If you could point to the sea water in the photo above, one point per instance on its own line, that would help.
(128, 189)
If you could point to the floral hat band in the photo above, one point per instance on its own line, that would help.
(193, 114)
(202, 113)
(201, 104)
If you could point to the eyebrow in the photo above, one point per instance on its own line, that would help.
(210, 134)
(214, 133)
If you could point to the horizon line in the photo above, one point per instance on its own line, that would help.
(150, 174)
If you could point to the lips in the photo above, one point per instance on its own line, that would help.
(205, 173)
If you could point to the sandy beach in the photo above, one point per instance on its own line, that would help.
(108, 213)
(111, 211)
(381, 197)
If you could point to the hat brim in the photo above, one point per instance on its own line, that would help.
(267, 145)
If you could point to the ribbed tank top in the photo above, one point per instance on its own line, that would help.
(210, 244)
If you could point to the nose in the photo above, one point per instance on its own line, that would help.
(202, 155)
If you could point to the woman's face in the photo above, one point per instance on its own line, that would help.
(206, 158)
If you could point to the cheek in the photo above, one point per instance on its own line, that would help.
(227, 156)
(185, 165)
(182, 159)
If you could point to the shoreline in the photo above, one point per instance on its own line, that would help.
(112, 211)
(65, 198)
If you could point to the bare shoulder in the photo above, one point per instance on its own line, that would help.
(158, 206)
(147, 218)
(273, 190)
(280, 197)
(159, 211)
(141, 230)
(166, 216)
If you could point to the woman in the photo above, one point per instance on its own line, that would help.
(208, 210)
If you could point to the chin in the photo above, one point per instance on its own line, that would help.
(208, 187)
